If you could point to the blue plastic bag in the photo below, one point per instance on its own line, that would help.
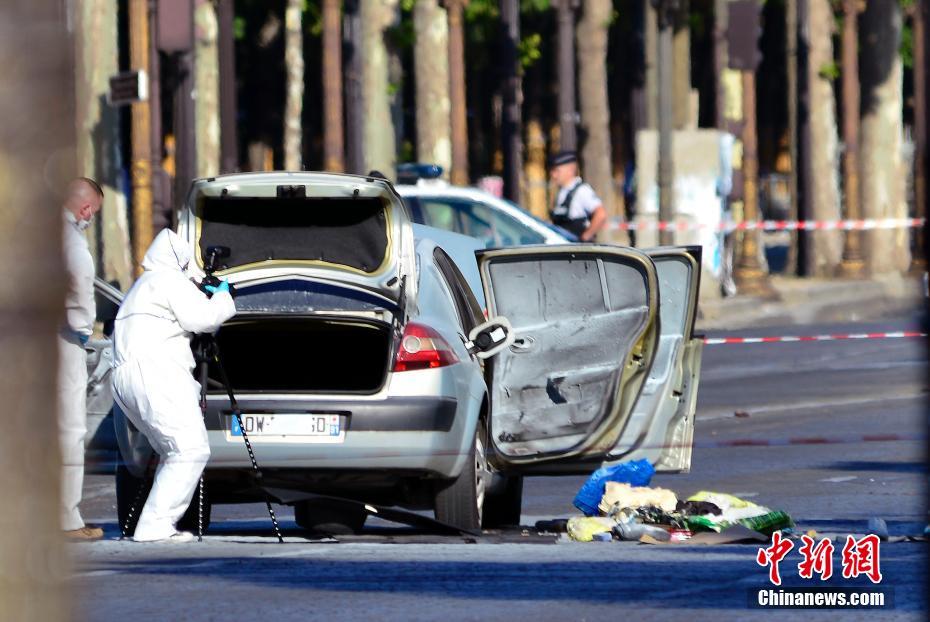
(636, 473)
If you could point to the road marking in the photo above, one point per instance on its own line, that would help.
(716, 341)
(839, 480)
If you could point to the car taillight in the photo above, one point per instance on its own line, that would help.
(421, 347)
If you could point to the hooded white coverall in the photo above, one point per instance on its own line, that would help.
(152, 376)
(80, 312)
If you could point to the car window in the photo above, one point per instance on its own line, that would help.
(440, 215)
(471, 218)
(467, 307)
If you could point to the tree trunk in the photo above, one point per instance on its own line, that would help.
(458, 121)
(684, 119)
(880, 161)
(431, 66)
(592, 90)
(651, 70)
(207, 85)
(825, 247)
(37, 152)
(565, 75)
(333, 143)
(294, 104)
(537, 202)
(511, 101)
(98, 136)
(377, 127)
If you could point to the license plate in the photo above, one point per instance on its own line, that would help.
(305, 427)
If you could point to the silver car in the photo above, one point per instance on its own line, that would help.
(366, 369)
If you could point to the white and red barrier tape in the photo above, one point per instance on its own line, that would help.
(715, 341)
(773, 225)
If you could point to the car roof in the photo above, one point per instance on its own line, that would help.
(461, 248)
(443, 189)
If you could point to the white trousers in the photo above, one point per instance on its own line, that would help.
(72, 427)
(161, 399)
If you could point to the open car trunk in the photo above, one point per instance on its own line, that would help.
(304, 355)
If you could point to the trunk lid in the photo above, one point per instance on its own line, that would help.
(327, 228)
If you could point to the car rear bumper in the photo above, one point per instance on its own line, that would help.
(403, 433)
(393, 414)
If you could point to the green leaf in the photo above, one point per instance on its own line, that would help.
(239, 28)
(829, 71)
(530, 49)
(534, 6)
(907, 46)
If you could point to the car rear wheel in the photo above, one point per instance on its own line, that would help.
(460, 503)
(131, 489)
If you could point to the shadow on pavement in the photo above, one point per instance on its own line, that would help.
(653, 583)
(878, 466)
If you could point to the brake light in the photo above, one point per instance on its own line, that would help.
(421, 347)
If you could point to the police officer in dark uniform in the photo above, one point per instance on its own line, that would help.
(577, 207)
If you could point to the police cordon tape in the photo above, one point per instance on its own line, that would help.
(716, 341)
(864, 224)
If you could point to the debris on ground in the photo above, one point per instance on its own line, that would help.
(619, 504)
(635, 473)
(626, 496)
(737, 511)
(584, 528)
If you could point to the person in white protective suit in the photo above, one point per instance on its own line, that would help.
(83, 201)
(153, 378)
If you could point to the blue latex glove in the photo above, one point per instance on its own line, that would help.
(222, 287)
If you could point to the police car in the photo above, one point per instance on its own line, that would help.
(470, 211)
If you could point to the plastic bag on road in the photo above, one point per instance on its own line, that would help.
(733, 508)
(736, 511)
(636, 473)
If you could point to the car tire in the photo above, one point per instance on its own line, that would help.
(330, 517)
(504, 507)
(460, 503)
(129, 488)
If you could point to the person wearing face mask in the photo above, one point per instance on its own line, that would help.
(153, 380)
(83, 201)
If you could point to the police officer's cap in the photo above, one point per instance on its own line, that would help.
(562, 157)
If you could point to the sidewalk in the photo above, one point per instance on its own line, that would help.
(807, 301)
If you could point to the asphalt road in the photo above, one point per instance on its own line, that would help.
(840, 392)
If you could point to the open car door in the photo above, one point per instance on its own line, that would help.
(586, 326)
(661, 427)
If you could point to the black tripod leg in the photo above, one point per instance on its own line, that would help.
(258, 476)
(248, 444)
(132, 518)
(203, 413)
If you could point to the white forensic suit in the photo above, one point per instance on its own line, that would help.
(80, 312)
(153, 378)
